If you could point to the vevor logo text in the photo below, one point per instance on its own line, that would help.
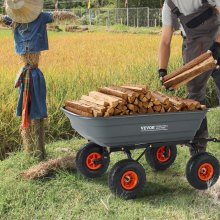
(154, 128)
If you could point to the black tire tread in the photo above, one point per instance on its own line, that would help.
(80, 161)
(150, 156)
(115, 174)
(192, 168)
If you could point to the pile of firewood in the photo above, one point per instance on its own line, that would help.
(128, 100)
(189, 71)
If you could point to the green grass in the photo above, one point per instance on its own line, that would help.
(66, 195)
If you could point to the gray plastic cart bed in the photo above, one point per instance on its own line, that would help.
(157, 133)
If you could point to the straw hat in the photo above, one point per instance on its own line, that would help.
(24, 11)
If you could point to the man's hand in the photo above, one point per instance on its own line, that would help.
(162, 73)
(215, 49)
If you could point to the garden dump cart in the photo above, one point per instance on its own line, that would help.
(157, 134)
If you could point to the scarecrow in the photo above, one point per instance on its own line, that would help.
(30, 35)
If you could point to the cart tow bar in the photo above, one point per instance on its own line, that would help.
(216, 140)
(213, 140)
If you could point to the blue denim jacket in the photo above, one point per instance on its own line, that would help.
(31, 37)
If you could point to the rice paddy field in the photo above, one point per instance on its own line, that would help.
(76, 64)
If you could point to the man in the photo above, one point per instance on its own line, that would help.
(199, 22)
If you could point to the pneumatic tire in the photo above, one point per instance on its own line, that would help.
(157, 158)
(85, 160)
(202, 171)
(126, 179)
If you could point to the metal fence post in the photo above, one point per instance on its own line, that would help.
(108, 18)
(127, 16)
(90, 22)
(148, 17)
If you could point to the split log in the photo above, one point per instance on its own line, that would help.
(113, 92)
(79, 106)
(141, 97)
(172, 109)
(133, 107)
(143, 110)
(110, 112)
(145, 104)
(190, 74)
(191, 104)
(157, 108)
(94, 106)
(112, 100)
(97, 113)
(156, 102)
(137, 88)
(117, 111)
(148, 95)
(188, 66)
(78, 112)
(145, 99)
(203, 107)
(95, 101)
(150, 104)
(131, 94)
(161, 97)
(150, 110)
(162, 109)
(121, 106)
(136, 102)
(140, 104)
(175, 102)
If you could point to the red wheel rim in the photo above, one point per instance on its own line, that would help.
(129, 180)
(205, 172)
(161, 154)
(90, 161)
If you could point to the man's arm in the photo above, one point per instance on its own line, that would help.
(164, 49)
(218, 37)
(215, 48)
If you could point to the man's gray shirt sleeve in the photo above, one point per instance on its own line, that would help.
(167, 18)
(186, 7)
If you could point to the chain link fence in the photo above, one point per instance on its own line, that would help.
(135, 17)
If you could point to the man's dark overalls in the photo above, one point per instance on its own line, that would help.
(201, 29)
